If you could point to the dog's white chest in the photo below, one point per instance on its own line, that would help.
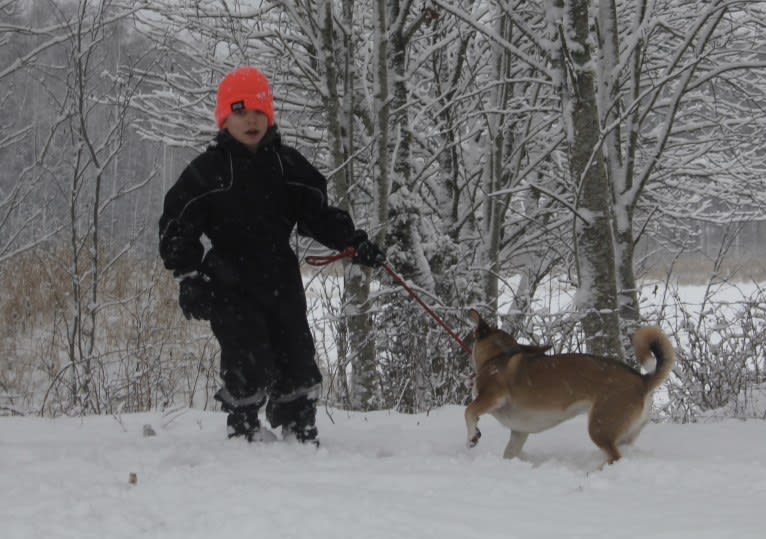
(527, 420)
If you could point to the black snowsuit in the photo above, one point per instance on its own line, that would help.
(247, 204)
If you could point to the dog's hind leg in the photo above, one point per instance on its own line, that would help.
(613, 421)
(482, 404)
(515, 444)
(612, 453)
(605, 429)
(637, 427)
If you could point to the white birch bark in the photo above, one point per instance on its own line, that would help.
(597, 286)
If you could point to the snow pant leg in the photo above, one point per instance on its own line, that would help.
(248, 368)
(294, 395)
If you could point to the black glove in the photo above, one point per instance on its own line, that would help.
(195, 296)
(180, 248)
(368, 254)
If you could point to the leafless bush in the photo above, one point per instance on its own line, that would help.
(324, 311)
(720, 342)
(146, 356)
(721, 352)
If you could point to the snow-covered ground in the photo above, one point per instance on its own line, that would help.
(380, 475)
(376, 475)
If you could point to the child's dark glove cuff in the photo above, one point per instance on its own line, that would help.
(369, 254)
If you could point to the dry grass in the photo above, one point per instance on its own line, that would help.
(143, 355)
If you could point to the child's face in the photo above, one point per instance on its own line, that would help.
(247, 126)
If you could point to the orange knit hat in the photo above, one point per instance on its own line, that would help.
(243, 88)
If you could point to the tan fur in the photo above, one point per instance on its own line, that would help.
(528, 391)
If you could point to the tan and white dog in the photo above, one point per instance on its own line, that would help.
(528, 391)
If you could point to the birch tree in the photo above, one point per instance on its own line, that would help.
(597, 286)
(642, 100)
(666, 96)
(671, 136)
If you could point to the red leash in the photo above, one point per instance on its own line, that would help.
(324, 260)
(350, 251)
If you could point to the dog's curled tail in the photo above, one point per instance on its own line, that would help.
(650, 341)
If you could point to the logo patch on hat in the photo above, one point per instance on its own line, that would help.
(237, 105)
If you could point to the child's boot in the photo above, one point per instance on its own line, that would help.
(243, 422)
(297, 418)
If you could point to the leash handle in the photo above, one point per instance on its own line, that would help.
(350, 251)
(324, 260)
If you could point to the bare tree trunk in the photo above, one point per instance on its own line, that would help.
(358, 336)
(363, 362)
(597, 286)
(620, 159)
(495, 169)
(356, 292)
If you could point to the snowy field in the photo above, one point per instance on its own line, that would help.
(377, 475)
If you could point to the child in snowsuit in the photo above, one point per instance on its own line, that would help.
(246, 193)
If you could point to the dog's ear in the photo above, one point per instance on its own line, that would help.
(476, 317)
(482, 328)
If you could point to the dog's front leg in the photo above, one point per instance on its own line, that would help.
(515, 444)
(471, 424)
(480, 405)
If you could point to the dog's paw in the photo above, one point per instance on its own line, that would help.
(474, 439)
